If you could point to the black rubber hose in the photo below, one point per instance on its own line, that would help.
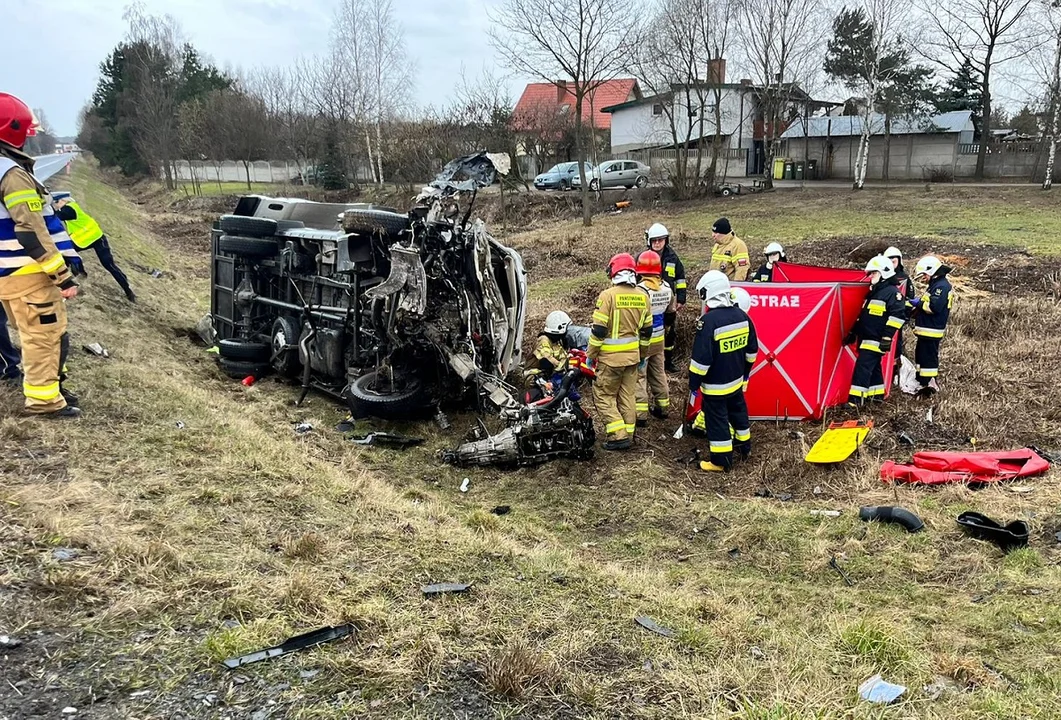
(565, 388)
(892, 514)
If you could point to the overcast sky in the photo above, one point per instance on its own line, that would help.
(54, 63)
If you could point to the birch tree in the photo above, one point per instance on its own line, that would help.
(1050, 10)
(574, 44)
(866, 54)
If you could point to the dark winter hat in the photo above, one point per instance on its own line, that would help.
(721, 226)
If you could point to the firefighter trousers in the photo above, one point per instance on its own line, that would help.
(926, 355)
(40, 318)
(867, 382)
(670, 336)
(615, 397)
(726, 419)
(652, 387)
(9, 355)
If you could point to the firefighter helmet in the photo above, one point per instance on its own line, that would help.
(620, 262)
(893, 252)
(774, 248)
(556, 322)
(648, 263)
(657, 231)
(742, 299)
(712, 284)
(17, 121)
(881, 265)
(928, 266)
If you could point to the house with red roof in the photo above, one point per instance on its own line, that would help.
(548, 105)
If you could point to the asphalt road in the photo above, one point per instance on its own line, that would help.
(48, 165)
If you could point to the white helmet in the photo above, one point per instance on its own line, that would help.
(893, 252)
(556, 322)
(882, 265)
(928, 266)
(742, 299)
(712, 284)
(774, 247)
(657, 231)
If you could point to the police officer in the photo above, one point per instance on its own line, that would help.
(774, 253)
(619, 338)
(724, 352)
(883, 313)
(933, 311)
(34, 278)
(86, 234)
(729, 254)
(657, 238)
(653, 396)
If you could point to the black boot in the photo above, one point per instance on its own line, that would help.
(130, 294)
(67, 413)
(624, 444)
(71, 399)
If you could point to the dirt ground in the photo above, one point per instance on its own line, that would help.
(184, 520)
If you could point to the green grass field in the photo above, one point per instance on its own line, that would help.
(205, 526)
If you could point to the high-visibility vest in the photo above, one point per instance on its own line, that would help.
(13, 257)
(83, 229)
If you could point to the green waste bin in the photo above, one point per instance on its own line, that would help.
(798, 170)
(789, 170)
(779, 168)
(812, 169)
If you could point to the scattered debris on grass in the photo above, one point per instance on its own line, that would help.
(293, 644)
(155, 273)
(465, 484)
(891, 514)
(347, 425)
(651, 625)
(878, 690)
(445, 588)
(1006, 537)
(96, 349)
(303, 427)
(501, 510)
(65, 554)
(179, 425)
(6, 641)
(835, 565)
(385, 439)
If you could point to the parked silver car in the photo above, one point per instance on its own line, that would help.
(616, 173)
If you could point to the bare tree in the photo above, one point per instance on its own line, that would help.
(1049, 17)
(153, 54)
(781, 40)
(678, 57)
(574, 44)
(985, 34)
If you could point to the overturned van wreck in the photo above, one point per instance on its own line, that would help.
(393, 312)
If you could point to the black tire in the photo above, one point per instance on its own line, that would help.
(594, 185)
(254, 227)
(641, 181)
(236, 349)
(565, 185)
(375, 221)
(364, 400)
(285, 362)
(726, 192)
(248, 246)
(240, 369)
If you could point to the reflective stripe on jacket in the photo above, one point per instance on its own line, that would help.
(660, 301)
(13, 257)
(934, 313)
(622, 326)
(724, 351)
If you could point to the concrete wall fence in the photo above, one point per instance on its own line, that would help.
(918, 157)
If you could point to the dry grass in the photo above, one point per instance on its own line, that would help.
(234, 532)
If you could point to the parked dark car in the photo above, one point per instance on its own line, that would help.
(558, 177)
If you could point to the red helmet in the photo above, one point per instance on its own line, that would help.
(648, 263)
(16, 121)
(620, 262)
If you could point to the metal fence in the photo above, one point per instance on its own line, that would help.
(1012, 148)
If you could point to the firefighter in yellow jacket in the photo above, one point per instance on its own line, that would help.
(729, 254)
(653, 396)
(619, 338)
(34, 278)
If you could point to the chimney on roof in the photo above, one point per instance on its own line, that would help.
(746, 82)
(716, 71)
(561, 91)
